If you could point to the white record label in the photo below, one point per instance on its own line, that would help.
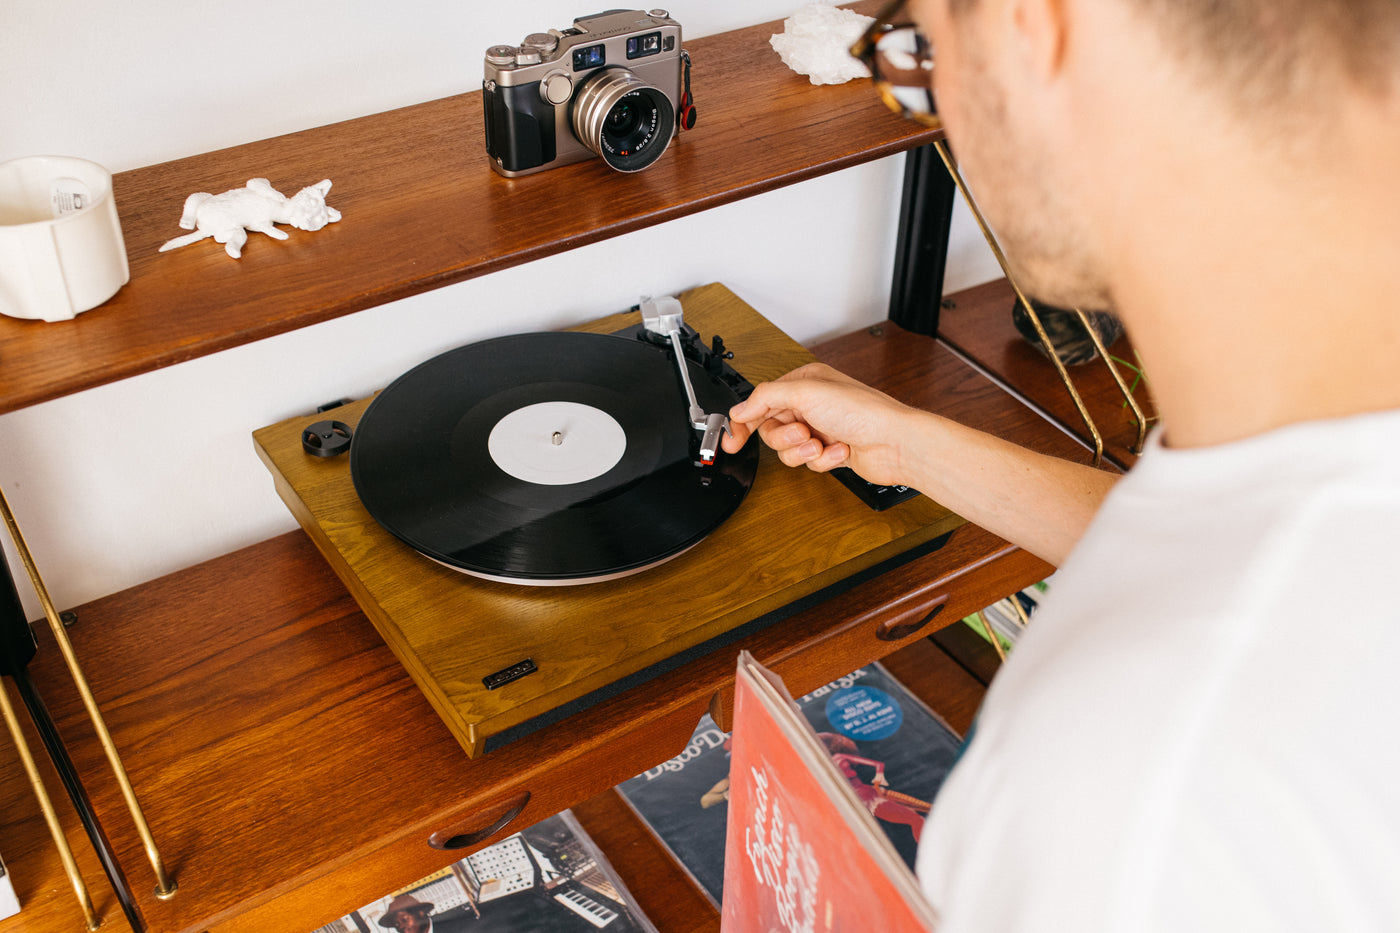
(557, 443)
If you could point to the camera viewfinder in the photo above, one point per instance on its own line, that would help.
(592, 56)
(642, 46)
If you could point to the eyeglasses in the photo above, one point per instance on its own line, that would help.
(900, 60)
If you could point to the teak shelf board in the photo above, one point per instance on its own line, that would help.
(284, 743)
(977, 323)
(422, 209)
(280, 751)
(452, 630)
(293, 771)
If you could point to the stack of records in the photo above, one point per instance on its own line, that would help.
(869, 722)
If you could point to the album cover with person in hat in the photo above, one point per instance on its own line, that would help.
(892, 749)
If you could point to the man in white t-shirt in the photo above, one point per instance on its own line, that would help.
(1200, 730)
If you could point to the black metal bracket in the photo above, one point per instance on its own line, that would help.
(921, 251)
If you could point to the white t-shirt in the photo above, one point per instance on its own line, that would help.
(1201, 729)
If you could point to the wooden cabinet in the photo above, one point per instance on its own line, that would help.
(290, 768)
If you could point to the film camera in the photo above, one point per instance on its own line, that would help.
(614, 85)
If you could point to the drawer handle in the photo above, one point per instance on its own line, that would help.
(895, 630)
(462, 837)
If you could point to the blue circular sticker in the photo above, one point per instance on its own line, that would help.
(864, 713)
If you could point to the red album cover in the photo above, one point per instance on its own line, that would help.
(803, 853)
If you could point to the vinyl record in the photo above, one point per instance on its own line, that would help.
(549, 458)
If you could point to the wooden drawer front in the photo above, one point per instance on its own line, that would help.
(906, 604)
(419, 850)
(645, 726)
(347, 830)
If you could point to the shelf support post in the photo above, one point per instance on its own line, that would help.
(921, 250)
(165, 886)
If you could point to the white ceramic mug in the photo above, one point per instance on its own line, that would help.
(61, 247)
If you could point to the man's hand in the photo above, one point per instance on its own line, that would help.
(823, 419)
(817, 417)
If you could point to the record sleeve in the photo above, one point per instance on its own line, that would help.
(549, 878)
(9, 904)
(803, 850)
(871, 720)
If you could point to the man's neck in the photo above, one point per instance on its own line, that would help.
(1260, 300)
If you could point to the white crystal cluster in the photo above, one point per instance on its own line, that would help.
(815, 41)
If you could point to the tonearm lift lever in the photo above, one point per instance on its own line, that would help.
(663, 316)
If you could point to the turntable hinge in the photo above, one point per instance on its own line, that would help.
(664, 316)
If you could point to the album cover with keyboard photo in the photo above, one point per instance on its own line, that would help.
(550, 878)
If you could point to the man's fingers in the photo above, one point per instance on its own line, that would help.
(769, 401)
(830, 458)
(794, 413)
(738, 435)
(783, 434)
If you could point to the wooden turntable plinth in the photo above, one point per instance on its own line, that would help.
(797, 534)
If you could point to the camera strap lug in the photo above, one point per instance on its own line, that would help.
(685, 113)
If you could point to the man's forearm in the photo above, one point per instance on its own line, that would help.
(1041, 503)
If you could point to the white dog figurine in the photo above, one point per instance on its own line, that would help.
(229, 216)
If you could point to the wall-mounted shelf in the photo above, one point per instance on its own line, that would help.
(977, 324)
(290, 767)
(422, 209)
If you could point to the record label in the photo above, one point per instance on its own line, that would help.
(556, 443)
(550, 458)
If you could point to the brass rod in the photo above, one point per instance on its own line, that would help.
(991, 634)
(165, 886)
(1021, 618)
(1118, 378)
(60, 841)
(942, 147)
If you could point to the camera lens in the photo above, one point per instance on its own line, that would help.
(623, 119)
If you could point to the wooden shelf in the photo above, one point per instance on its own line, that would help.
(292, 770)
(977, 324)
(289, 766)
(422, 209)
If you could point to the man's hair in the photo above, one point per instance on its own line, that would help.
(1279, 52)
(1273, 53)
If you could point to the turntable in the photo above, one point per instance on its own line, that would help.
(535, 524)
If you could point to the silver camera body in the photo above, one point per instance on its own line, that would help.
(609, 86)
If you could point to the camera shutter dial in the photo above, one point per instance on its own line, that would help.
(542, 41)
(556, 88)
(501, 55)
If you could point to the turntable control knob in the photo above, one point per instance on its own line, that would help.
(556, 88)
(542, 41)
(501, 55)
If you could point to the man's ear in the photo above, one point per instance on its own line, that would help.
(1041, 34)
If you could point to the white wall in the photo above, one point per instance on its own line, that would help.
(123, 483)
